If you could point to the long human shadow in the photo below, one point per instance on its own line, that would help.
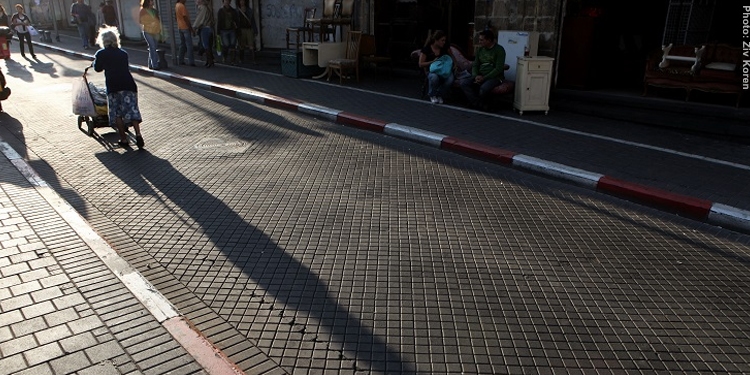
(288, 281)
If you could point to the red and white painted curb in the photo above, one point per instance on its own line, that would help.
(213, 360)
(695, 208)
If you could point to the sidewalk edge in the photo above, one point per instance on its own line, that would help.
(695, 208)
(211, 358)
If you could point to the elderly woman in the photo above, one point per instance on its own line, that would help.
(122, 96)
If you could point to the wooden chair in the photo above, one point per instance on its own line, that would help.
(369, 57)
(351, 61)
(306, 29)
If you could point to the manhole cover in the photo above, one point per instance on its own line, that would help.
(222, 145)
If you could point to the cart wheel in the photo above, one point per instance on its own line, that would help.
(80, 121)
(90, 123)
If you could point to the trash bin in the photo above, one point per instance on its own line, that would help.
(162, 58)
(46, 36)
(4, 48)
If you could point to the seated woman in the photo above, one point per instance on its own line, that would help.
(439, 82)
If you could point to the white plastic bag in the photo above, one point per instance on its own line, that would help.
(83, 105)
(32, 31)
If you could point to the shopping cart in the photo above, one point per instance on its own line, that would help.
(96, 116)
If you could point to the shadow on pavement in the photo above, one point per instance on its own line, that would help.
(289, 282)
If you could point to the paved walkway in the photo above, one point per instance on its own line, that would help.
(690, 175)
(70, 304)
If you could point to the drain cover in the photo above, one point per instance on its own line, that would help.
(222, 145)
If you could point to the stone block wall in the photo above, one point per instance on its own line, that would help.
(523, 15)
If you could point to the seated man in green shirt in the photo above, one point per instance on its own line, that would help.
(487, 72)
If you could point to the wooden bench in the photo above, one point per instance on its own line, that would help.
(713, 68)
(464, 64)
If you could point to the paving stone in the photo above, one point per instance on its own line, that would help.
(88, 323)
(68, 301)
(78, 342)
(46, 294)
(43, 353)
(56, 333)
(70, 363)
(61, 317)
(29, 326)
(104, 351)
(12, 365)
(17, 345)
(41, 369)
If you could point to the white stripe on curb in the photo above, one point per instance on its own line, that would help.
(319, 110)
(720, 214)
(251, 96)
(561, 171)
(729, 217)
(414, 134)
(159, 307)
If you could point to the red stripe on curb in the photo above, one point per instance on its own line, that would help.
(689, 206)
(223, 91)
(477, 149)
(362, 122)
(211, 358)
(275, 101)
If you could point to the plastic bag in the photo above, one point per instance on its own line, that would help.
(32, 30)
(83, 105)
(218, 45)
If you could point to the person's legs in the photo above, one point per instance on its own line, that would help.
(189, 45)
(121, 131)
(83, 32)
(153, 58)
(31, 46)
(433, 82)
(485, 89)
(182, 49)
(233, 46)
(445, 87)
(20, 43)
(468, 87)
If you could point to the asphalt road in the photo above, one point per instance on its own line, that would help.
(334, 250)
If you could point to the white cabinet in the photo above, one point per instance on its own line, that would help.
(533, 81)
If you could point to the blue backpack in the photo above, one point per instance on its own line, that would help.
(443, 66)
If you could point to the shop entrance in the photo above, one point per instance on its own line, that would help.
(605, 43)
(401, 26)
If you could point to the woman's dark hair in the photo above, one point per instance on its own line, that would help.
(437, 35)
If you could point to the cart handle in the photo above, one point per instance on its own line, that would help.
(86, 70)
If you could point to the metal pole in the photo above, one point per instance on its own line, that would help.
(54, 19)
(172, 43)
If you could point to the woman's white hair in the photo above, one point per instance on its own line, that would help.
(108, 37)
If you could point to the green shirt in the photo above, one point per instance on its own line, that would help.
(489, 63)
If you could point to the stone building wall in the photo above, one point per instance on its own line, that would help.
(523, 15)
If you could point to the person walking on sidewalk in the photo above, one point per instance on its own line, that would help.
(81, 14)
(151, 25)
(122, 92)
(4, 17)
(487, 71)
(110, 14)
(248, 29)
(20, 23)
(186, 34)
(204, 26)
(227, 27)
